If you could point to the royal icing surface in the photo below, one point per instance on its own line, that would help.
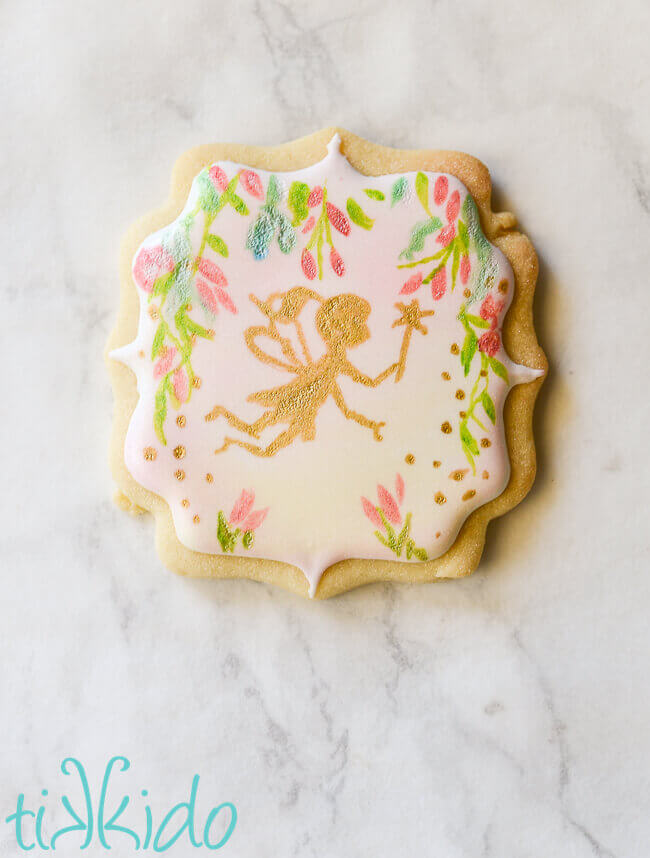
(319, 364)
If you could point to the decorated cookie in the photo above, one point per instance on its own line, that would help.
(324, 365)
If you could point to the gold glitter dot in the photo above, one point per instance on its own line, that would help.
(409, 459)
(483, 373)
(446, 376)
(460, 394)
(485, 442)
(503, 286)
(150, 454)
(141, 353)
(185, 502)
(469, 495)
(179, 474)
(459, 474)
(438, 535)
(446, 427)
(440, 498)
(189, 308)
(436, 463)
(180, 420)
(486, 475)
(462, 414)
(454, 349)
(209, 478)
(153, 311)
(210, 333)
(466, 293)
(179, 452)
(193, 340)
(196, 519)
(196, 382)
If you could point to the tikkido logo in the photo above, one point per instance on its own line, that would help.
(102, 828)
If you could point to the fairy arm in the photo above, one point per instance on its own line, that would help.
(251, 335)
(354, 415)
(362, 378)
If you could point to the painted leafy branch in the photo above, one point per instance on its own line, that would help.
(387, 517)
(270, 223)
(241, 524)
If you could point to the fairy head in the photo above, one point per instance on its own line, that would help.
(342, 319)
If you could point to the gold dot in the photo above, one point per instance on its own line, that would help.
(180, 420)
(438, 535)
(189, 308)
(460, 394)
(485, 442)
(469, 495)
(436, 463)
(483, 373)
(150, 454)
(459, 474)
(409, 459)
(466, 293)
(185, 502)
(196, 382)
(486, 475)
(446, 427)
(462, 414)
(210, 333)
(179, 452)
(209, 478)
(446, 376)
(141, 353)
(196, 519)
(454, 349)
(503, 286)
(193, 340)
(179, 474)
(153, 312)
(440, 498)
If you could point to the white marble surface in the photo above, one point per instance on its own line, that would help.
(503, 715)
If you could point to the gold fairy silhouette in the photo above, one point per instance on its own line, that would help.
(341, 322)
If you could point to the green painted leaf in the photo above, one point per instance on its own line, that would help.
(498, 368)
(422, 190)
(260, 234)
(454, 264)
(357, 214)
(418, 234)
(158, 340)
(194, 328)
(160, 412)
(297, 201)
(488, 405)
(273, 194)
(399, 189)
(163, 284)
(286, 233)
(218, 244)
(208, 196)
(420, 553)
(374, 194)
(468, 351)
(468, 440)
(238, 204)
(477, 321)
(464, 237)
(247, 539)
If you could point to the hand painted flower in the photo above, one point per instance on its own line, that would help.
(252, 183)
(338, 219)
(254, 519)
(219, 178)
(411, 285)
(207, 296)
(399, 488)
(212, 272)
(338, 266)
(490, 342)
(465, 269)
(164, 362)
(150, 264)
(308, 264)
(439, 284)
(371, 512)
(388, 505)
(446, 235)
(315, 198)
(491, 309)
(181, 385)
(242, 507)
(225, 300)
(453, 207)
(309, 224)
(440, 190)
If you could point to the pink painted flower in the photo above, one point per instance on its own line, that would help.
(243, 505)
(490, 342)
(465, 269)
(164, 362)
(308, 264)
(399, 488)
(411, 285)
(255, 519)
(252, 183)
(446, 235)
(207, 296)
(371, 512)
(440, 190)
(309, 225)
(338, 219)
(338, 266)
(212, 272)
(225, 300)
(389, 505)
(453, 207)
(315, 198)
(150, 264)
(439, 284)
(219, 178)
(491, 309)
(181, 384)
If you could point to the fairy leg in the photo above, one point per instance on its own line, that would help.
(234, 421)
(283, 440)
